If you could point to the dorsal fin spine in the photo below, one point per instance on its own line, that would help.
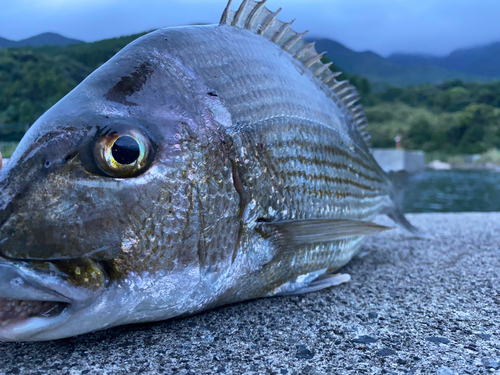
(267, 22)
(279, 34)
(339, 85)
(225, 14)
(358, 108)
(332, 75)
(351, 95)
(239, 12)
(255, 12)
(301, 53)
(328, 78)
(314, 60)
(322, 69)
(345, 92)
(352, 101)
(254, 16)
(293, 40)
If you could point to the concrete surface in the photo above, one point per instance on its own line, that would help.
(412, 307)
(393, 160)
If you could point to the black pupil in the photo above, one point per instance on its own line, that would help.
(126, 150)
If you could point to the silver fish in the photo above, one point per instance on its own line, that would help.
(200, 166)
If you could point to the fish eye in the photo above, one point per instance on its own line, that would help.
(123, 154)
(126, 150)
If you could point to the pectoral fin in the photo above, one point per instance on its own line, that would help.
(322, 282)
(288, 235)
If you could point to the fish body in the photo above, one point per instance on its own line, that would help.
(200, 166)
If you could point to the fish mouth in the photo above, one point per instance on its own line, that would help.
(18, 312)
(21, 320)
(32, 302)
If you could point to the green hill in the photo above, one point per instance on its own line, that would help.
(382, 72)
(480, 61)
(45, 39)
(6, 42)
(32, 79)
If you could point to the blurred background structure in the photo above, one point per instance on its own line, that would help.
(427, 73)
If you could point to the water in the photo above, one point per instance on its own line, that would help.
(452, 191)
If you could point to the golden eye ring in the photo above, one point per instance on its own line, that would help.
(123, 154)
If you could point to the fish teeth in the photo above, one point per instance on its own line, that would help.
(15, 310)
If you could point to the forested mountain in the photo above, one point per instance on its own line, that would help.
(383, 72)
(45, 39)
(479, 61)
(33, 79)
(6, 42)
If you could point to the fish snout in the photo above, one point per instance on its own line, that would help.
(16, 284)
(75, 282)
(37, 295)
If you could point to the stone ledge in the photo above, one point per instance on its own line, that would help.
(413, 306)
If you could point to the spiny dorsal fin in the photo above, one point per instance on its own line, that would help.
(254, 16)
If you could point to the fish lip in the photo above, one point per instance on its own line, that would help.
(19, 282)
(16, 283)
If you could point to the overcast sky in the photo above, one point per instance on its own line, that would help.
(383, 26)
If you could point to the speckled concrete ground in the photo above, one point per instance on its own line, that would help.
(413, 307)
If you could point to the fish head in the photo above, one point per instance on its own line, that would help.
(98, 199)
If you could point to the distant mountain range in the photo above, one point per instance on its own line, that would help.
(45, 39)
(476, 64)
(479, 64)
(481, 61)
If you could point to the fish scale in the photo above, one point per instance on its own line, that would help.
(318, 177)
(275, 90)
